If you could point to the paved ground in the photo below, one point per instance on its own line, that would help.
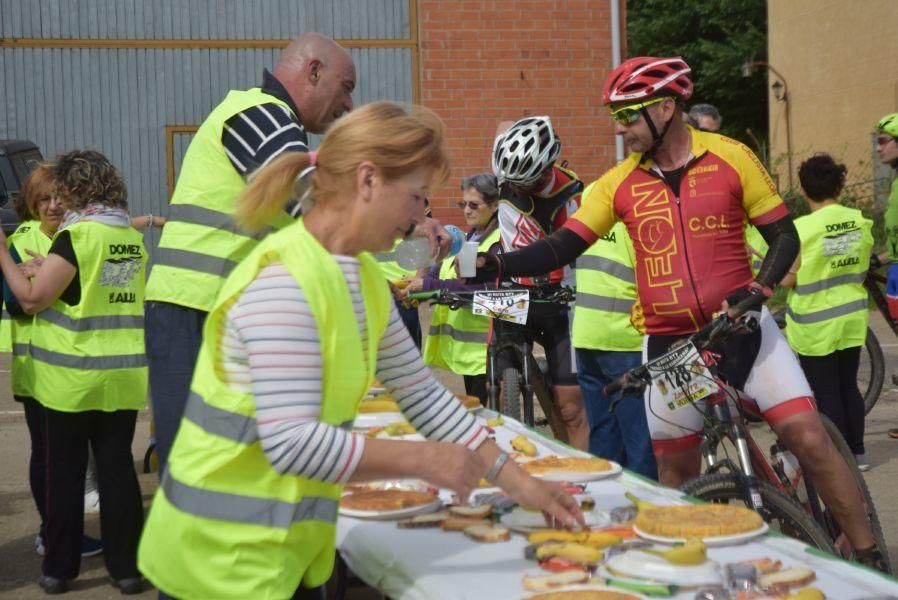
(20, 566)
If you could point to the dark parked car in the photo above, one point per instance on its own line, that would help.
(17, 159)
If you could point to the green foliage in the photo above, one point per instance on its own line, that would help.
(715, 37)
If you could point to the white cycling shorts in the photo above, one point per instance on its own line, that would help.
(776, 382)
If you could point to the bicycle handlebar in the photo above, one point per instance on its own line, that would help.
(637, 379)
(563, 295)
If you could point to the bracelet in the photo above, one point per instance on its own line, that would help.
(150, 220)
(493, 473)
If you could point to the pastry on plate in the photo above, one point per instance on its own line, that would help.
(566, 464)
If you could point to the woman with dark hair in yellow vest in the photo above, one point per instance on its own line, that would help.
(827, 303)
(87, 354)
(247, 507)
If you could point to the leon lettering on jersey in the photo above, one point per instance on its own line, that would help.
(656, 244)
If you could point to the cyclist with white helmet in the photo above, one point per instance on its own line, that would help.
(536, 197)
(685, 196)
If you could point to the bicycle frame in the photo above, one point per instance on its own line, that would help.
(874, 282)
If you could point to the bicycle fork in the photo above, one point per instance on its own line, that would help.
(527, 383)
(736, 431)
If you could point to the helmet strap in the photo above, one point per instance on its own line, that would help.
(657, 138)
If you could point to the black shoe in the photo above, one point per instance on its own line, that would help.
(129, 586)
(53, 585)
(90, 546)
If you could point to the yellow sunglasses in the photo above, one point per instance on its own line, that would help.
(628, 115)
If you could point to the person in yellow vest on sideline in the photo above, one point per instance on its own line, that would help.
(41, 212)
(457, 338)
(89, 367)
(310, 87)
(828, 310)
(248, 505)
(607, 345)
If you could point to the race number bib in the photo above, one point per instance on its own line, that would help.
(681, 377)
(508, 306)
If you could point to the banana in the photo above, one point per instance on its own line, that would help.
(495, 422)
(524, 446)
(569, 551)
(553, 535)
(808, 593)
(693, 552)
(639, 502)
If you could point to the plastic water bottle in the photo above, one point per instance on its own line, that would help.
(414, 253)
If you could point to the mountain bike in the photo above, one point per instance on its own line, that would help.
(511, 392)
(774, 486)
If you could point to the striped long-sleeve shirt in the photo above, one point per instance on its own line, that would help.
(271, 349)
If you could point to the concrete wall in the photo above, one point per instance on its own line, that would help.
(840, 61)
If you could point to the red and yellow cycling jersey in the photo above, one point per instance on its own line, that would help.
(690, 249)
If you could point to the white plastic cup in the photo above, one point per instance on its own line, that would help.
(467, 260)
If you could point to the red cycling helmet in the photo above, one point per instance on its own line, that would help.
(643, 77)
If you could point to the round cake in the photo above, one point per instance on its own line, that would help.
(699, 521)
(384, 500)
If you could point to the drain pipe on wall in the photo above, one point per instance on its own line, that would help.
(615, 61)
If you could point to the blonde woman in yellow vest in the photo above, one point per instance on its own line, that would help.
(87, 353)
(457, 339)
(248, 504)
(828, 306)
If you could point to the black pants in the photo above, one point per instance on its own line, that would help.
(412, 320)
(833, 379)
(37, 466)
(475, 385)
(121, 515)
(173, 337)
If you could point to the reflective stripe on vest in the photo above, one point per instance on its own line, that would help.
(200, 243)
(606, 292)
(248, 510)
(828, 306)
(89, 363)
(91, 323)
(457, 339)
(222, 489)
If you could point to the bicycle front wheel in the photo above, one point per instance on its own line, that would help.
(780, 511)
(871, 372)
(511, 393)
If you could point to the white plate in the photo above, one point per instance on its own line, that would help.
(717, 540)
(376, 419)
(641, 566)
(581, 476)
(386, 515)
(526, 521)
(586, 586)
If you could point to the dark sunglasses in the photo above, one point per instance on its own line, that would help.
(472, 205)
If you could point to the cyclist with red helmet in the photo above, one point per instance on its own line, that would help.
(536, 197)
(685, 196)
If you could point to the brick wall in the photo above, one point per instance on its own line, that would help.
(485, 61)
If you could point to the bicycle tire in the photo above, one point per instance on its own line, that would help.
(873, 351)
(780, 511)
(511, 393)
(872, 516)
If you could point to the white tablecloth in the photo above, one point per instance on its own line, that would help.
(408, 564)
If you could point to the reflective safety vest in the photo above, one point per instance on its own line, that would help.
(91, 356)
(757, 247)
(201, 243)
(225, 523)
(828, 307)
(389, 266)
(15, 332)
(606, 291)
(457, 338)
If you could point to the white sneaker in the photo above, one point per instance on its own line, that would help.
(39, 545)
(862, 465)
(92, 501)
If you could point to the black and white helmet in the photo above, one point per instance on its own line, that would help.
(525, 150)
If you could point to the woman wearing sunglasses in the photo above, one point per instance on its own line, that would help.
(480, 203)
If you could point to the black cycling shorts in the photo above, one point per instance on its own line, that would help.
(549, 326)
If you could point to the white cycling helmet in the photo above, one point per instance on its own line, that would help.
(525, 150)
